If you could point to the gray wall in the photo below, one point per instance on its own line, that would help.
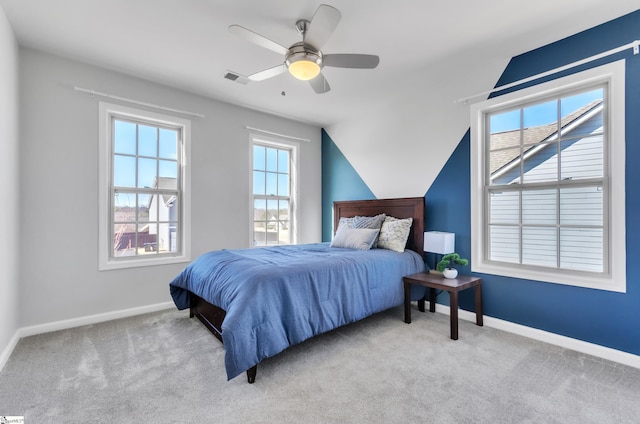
(59, 277)
(9, 178)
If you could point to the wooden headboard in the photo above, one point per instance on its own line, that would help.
(410, 207)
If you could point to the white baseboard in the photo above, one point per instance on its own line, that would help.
(532, 333)
(91, 319)
(551, 338)
(77, 322)
(4, 356)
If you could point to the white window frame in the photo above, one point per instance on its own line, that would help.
(106, 260)
(294, 173)
(613, 75)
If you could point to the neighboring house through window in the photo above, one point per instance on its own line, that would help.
(273, 192)
(144, 187)
(548, 186)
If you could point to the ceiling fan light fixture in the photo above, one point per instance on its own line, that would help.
(305, 60)
(303, 63)
(304, 69)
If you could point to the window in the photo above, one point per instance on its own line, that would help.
(143, 188)
(548, 181)
(274, 200)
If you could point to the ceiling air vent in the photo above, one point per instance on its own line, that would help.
(233, 76)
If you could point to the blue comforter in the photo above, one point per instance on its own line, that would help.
(279, 296)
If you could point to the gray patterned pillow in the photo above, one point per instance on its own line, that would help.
(369, 221)
(394, 233)
(345, 222)
(374, 222)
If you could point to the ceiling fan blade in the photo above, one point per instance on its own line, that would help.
(322, 25)
(320, 84)
(258, 39)
(359, 61)
(268, 73)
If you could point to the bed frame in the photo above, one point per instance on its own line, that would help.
(413, 207)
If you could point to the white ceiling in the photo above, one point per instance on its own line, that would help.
(186, 44)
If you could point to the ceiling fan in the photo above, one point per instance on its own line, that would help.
(304, 60)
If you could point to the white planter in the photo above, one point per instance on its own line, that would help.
(450, 273)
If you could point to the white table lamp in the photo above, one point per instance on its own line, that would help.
(439, 242)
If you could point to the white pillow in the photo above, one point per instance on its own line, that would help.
(394, 233)
(355, 238)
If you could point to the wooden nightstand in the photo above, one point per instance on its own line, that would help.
(453, 286)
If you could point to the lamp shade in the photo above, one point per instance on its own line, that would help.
(439, 242)
(304, 69)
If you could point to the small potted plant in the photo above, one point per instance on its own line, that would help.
(446, 265)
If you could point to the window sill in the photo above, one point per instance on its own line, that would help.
(615, 282)
(137, 263)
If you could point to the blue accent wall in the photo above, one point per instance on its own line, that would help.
(339, 182)
(448, 202)
(601, 317)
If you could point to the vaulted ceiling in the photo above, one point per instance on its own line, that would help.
(186, 44)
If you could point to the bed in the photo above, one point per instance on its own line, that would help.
(260, 301)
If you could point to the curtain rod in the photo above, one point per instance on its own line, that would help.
(277, 134)
(635, 45)
(151, 105)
